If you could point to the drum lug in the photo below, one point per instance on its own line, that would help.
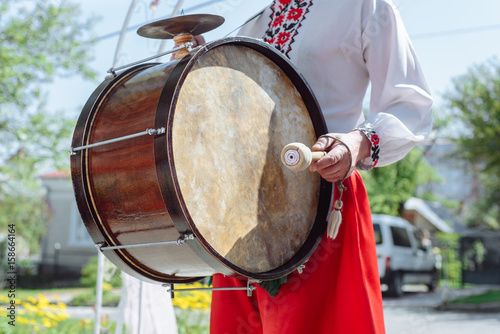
(170, 289)
(301, 268)
(185, 237)
(250, 287)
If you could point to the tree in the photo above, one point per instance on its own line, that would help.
(391, 186)
(40, 40)
(475, 102)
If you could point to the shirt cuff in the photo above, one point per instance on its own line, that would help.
(371, 134)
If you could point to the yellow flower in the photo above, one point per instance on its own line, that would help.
(29, 307)
(46, 322)
(106, 286)
(43, 301)
(192, 299)
(22, 320)
(32, 300)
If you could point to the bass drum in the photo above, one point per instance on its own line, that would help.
(211, 171)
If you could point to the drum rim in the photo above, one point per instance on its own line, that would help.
(165, 163)
(82, 189)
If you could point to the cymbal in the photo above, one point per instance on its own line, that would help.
(195, 24)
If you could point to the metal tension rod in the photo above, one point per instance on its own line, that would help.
(249, 288)
(187, 46)
(150, 132)
(182, 239)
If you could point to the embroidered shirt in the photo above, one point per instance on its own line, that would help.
(340, 47)
(285, 20)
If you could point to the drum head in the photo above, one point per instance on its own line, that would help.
(236, 110)
(212, 181)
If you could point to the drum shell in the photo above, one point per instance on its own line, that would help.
(127, 192)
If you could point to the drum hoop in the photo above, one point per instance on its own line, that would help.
(166, 170)
(83, 192)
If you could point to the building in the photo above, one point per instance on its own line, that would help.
(67, 246)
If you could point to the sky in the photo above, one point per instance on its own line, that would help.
(449, 37)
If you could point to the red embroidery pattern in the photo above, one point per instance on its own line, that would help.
(286, 19)
(375, 140)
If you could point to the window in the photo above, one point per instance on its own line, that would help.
(400, 237)
(78, 235)
(378, 234)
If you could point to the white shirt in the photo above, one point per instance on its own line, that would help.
(342, 45)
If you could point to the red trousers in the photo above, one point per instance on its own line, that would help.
(338, 291)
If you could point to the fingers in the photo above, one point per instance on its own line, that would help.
(335, 164)
(198, 40)
(323, 143)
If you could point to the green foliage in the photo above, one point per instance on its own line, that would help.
(88, 299)
(111, 274)
(452, 266)
(40, 40)
(389, 187)
(192, 321)
(475, 101)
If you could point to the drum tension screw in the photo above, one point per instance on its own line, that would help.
(170, 289)
(100, 245)
(301, 268)
(250, 287)
(183, 238)
(154, 132)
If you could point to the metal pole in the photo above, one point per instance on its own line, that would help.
(98, 295)
(139, 322)
(123, 32)
(100, 256)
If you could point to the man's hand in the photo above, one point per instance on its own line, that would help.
(335, 165)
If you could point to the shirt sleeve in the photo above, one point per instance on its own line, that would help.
(400, 101)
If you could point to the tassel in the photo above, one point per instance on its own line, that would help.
(335, 218)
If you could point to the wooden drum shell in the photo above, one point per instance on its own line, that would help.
(132, 191)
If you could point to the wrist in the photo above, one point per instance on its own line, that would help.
(363, 143)
(374, 149)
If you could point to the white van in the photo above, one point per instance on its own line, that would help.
(404, 256)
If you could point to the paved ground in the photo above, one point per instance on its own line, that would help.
(415, 313)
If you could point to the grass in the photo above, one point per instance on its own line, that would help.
(487, 297)
(191, 308)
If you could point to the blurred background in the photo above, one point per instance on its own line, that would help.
(54, 54)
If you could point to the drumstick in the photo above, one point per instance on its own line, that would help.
(297, 156)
